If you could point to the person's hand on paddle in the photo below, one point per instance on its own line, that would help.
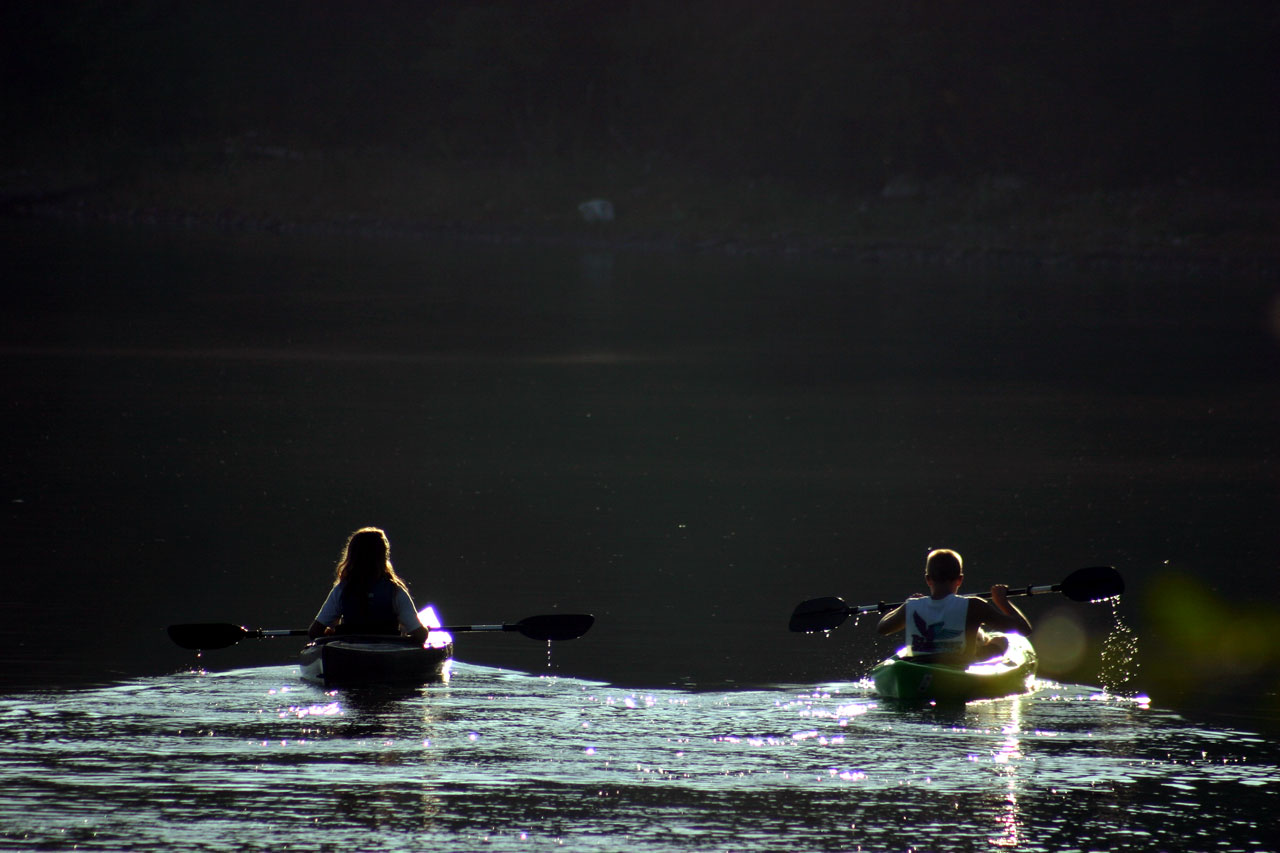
(1000, 596)
(1015, 621)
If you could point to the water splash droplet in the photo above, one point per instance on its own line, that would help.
(1119, 655)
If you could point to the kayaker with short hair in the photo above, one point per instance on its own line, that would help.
(946, 626)
(367, 596)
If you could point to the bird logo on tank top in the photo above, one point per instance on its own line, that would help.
(933, 637)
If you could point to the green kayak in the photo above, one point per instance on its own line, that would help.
(1013, 672)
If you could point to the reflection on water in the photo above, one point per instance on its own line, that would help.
(1007, 759)
(253, 760)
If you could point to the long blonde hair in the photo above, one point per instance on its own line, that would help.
(366, 559)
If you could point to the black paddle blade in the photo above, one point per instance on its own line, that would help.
(207, 635)
(1096, 583)
(818, 614)
(558, 626)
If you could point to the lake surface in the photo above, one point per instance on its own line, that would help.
(252, 760)
(685, 446)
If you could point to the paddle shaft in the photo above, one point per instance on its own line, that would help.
(883, 607)
(267, 633)
(264, 633)
(220, 635)
(298, 632)
(1095, 583)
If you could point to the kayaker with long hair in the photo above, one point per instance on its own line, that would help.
(367, 596)
(950, 627)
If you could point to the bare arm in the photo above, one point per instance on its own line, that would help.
(893, 621)
(1001, 614)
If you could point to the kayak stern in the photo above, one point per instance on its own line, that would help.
(1010, 674)
(368, 660)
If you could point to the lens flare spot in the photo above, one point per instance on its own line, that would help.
(1060, 641)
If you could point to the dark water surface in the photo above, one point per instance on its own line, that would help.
(685, 446)
(252, 760)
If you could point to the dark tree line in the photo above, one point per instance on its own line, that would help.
(839, 93)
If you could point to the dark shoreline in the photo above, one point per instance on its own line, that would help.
(133, 206)
(995, 135)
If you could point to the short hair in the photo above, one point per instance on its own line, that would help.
(943, 564)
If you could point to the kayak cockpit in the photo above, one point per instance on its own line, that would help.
(920, 677)
(376, 660)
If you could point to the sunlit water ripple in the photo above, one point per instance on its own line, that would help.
(254, 760)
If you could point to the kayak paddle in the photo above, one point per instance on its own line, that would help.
(220, 635)
(1095, 583)
(554, 626)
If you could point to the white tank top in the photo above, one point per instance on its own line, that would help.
(937, 625)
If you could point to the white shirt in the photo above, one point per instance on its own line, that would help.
(937, 625)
